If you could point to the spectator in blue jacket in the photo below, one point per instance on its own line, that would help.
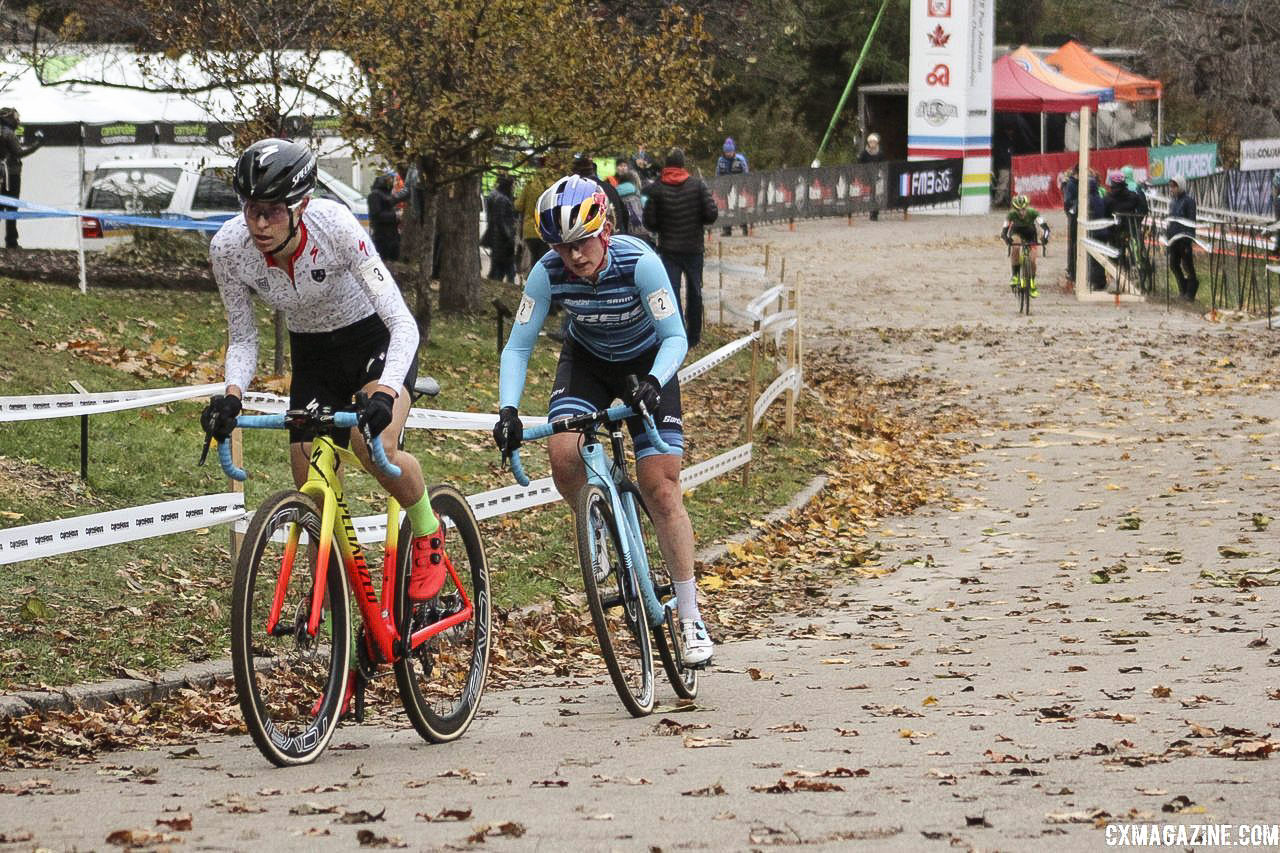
(1180, 231)
(732, 163)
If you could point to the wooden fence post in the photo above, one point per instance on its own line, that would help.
(751, 402)
(766, 260)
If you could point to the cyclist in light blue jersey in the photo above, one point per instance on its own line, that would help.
(623, 320)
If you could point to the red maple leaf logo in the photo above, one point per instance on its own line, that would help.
(939, 38)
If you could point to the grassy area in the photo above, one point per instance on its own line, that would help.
(157, 603)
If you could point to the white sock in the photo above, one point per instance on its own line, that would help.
(687, 599)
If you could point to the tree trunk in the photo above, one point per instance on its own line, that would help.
(413, 272)
(458, 229)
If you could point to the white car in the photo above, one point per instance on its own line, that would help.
(179, 189)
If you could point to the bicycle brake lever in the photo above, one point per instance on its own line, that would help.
(204, 454)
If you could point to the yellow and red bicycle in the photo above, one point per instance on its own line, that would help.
(297, 664)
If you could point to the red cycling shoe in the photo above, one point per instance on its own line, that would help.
(428, 571)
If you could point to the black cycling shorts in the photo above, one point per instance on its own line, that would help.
(1025, 235)
(330, 367)
(587, 383)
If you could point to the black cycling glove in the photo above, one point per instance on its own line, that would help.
(377, 412)
(219, 417)
(648, 392)
(508, 432)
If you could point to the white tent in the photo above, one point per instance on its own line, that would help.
(88, 123)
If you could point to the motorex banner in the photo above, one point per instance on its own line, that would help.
(949, 110)
(1190, 161)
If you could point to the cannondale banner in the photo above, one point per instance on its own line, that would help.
(949, 109)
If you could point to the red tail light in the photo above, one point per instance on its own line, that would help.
(90, 227)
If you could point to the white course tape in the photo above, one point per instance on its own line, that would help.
(715, 357)
(710, 469)
(730, 267)
(121, 525)
(755, 308)
(64, 405)
(787, 381)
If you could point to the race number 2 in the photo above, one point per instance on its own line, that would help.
(660, 305)
(525, 309)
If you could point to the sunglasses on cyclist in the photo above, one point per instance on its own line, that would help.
(274, 212)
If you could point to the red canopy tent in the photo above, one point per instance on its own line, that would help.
(1015, 90)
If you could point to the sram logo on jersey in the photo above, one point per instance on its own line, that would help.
(929, 182)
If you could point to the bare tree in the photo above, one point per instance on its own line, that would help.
(1217, 59)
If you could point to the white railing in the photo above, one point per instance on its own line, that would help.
(81, 533)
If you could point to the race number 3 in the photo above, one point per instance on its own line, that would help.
(376, 275)
(660, 305)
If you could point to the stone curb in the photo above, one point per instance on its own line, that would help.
(100, 693)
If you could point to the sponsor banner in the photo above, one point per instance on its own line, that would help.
(949, 108)
(1258, 154)
(120, 133)
(1036, 175)
(785, 194)
(1190, 161)
(918, 183)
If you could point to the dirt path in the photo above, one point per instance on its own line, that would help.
(1072, 639)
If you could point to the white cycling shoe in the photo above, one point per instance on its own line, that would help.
(698, 647)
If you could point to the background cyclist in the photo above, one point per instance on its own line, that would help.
(623, 319)
(349, 328)
(1021, 224)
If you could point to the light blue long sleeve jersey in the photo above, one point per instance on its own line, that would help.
(628, 311)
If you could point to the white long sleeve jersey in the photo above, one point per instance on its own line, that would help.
(334, 279)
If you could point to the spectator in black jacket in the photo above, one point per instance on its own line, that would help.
(871, 153)
(1180, 233)
(1128, 208)
(1069, 183)
(1097, 210)
(12, 152)
(679, 207)
(384, 220)
(500, 229)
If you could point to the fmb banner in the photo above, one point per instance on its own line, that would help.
(1189, 161)
(1258, 154)
(924, 182)
(949, 109)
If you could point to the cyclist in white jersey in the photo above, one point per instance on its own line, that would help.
(349, 327)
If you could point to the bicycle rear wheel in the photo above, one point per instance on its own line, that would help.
(666, 636)
(441, 680)
(617, 611)
(290, 684)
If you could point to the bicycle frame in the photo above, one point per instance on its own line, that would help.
(338, 530)
(634, 555)
(606, 473)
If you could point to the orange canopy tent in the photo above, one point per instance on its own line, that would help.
(1044, 72)
(1076, 62)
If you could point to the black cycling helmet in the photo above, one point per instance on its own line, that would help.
(275, 170)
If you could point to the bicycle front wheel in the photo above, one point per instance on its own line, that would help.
(666, 635)
(290, 684)
(442, 678)
(617, 610)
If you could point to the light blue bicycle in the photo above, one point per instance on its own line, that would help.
(627, 583)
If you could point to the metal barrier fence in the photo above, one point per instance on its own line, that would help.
(81, 533)
(785, 195)
(1239, 249)
(1235, 192)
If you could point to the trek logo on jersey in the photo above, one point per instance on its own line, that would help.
(317, 275)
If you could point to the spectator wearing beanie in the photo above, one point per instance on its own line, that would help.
(679, 207)
(732, 163)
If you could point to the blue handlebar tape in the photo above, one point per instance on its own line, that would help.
(342, 420)
(617, 413)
